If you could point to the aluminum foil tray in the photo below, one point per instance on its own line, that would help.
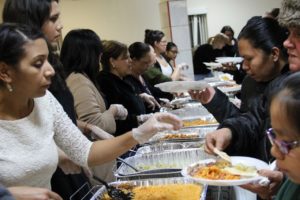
(191, 110)
(164, 164)
(209, 119)
(169, 146)
(183, 135)
(148, 182)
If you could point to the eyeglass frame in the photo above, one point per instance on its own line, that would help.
(283, 146)
(174, 51)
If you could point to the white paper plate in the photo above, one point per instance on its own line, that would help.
(213, 65)
(225, 77)
(182, 86)
(259, 164)
(234, 88)
(229, 59)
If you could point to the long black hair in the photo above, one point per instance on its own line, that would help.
(264, 34)
(138, 50)
(152, 36)
(80, 53)
(35, 13)
(13, 37)
(30, 12)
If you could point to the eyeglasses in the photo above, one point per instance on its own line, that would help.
(283, 146)
(175, 52)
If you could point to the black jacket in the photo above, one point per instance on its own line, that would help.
(205, 53)
(147, 88)
(249, 91)
(118, 91)
(248, 129)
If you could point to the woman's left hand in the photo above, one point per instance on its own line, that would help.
(266, 192)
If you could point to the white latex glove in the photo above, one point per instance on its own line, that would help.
(150, 100)
(158, 122)
(142, 118)
(98, 133)
(183, 66)
(120, 112)
(33, 193)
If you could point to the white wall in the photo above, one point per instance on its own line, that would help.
(231, 12)
(123, 20)
(126, 20)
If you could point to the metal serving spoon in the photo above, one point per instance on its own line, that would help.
(113, 192)
(129, 165)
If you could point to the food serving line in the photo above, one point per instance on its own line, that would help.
(166, 158)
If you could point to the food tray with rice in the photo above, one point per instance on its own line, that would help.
(169, 146)
(157, 189)
(201, 121)
(164, 164)
(182, 135)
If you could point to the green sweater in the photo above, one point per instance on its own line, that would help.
(154, 75)
(289, 191)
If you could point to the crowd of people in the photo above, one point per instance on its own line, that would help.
(63, 114)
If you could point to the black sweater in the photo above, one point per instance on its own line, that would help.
(118, 91)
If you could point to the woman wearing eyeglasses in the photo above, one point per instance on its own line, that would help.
(285, 135)
(171, 53)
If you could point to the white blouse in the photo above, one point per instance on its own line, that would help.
(166, 70)
(28, 151)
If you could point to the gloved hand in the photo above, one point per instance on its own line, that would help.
(98, 133)
(32, 193)
(142, 118)
(150, 100)
(120, 112)
(158, 122)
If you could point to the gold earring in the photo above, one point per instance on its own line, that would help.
(9, 87)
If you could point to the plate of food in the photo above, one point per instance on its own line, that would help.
(230, 88)
(226, 77)
(207, 120)
(229, 59)
(213, 65)
(241, 170)
(182, 86)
